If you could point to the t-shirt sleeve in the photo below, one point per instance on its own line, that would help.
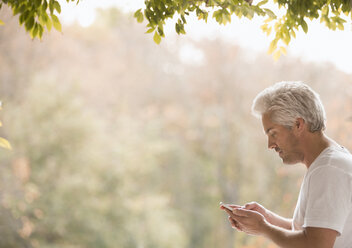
(329, 198)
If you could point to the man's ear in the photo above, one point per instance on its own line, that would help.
(299, 125)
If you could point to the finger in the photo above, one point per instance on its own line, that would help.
(241, 212)
(238, 227)
(234, 224)
(235, 206)
(251, 205)
(227, 211)
(229, 206)
(231, 213)
(235, 217)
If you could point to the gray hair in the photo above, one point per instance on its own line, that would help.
(287, 101)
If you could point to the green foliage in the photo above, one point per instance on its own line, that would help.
(295, 17)
(36, 15)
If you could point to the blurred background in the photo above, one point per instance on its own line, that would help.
(119, 142)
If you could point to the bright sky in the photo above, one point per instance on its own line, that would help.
(319, 45)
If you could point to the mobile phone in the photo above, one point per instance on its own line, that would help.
(227, 206)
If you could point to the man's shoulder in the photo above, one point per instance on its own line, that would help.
(337, 159)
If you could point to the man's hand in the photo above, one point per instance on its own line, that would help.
(253, 222)
(249, 221)
(269, 216)
(256, 207)
(233, 223)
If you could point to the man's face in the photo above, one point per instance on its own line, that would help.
(283, 140)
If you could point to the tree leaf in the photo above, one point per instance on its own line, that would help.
(340, 26)
(37, 3)
(268, 32)
(139, 15)
(44, 6)
(177, 28)
(57, 6)
(277, 55)
(41, 30)
(205, 16)
(304, 26)
(272, 46)
(157, 38)
(56, 22)
(34, 30)
(161, 31)
(269, 19)
(51, 6)
(23, 17)
(227, 18)
(325, 10)
(250, 14)
(183, 19)
(48, 23)
(5, 144)
(283, 50)
(151, 30)
(286, 37)
(1, 22)
(16, 10)
(29, 23)
(293, 33)
(262, 3)
(270, 13)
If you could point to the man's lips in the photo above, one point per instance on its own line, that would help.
(278, 150)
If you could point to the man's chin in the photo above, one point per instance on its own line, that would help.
(288, 161)
(285, 159)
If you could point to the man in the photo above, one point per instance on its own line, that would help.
(293, 119)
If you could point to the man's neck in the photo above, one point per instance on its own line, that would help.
(313, 144)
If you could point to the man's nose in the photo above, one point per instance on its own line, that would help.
(271, 144)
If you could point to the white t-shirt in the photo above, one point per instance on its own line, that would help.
(325, 199)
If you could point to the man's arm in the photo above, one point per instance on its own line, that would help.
(254, 223)
(310, 237)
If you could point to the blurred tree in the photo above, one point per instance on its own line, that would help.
(67, 192)
(296, 14)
